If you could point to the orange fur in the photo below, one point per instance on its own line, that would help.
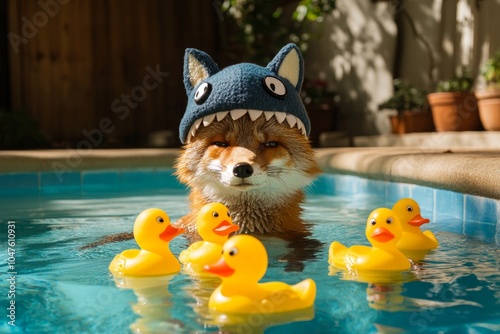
(268, 202)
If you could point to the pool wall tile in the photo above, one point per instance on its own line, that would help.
(425, 199)
(165, 179)
(480, 209)
(376, 187)
(395, 191)
(101, 180)
(449, 203)
(19, 183)
(136, 178)
(54, 183)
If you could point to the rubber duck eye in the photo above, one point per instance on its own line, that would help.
(274, 87)
(228, 214)
(160, 220)
(202, 92)
(389, 220)
(409, 208)
(233, 251)
(215, 214)
(373, 221)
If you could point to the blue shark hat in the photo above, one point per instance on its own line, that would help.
(237, 90)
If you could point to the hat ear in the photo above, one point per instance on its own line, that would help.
(289, 64)
(197, 67)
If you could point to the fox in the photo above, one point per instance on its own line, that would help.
(245, 143)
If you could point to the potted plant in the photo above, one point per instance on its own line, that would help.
(454, 105)
(489, 99)
(411, 112)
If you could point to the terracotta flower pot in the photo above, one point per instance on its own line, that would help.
(454, 111)
(489, 109)
(412, 121)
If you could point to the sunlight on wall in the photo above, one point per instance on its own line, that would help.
(361, 36)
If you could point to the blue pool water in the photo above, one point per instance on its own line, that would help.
(60, 288)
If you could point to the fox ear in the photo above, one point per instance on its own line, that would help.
(289, 64)
(197, 66)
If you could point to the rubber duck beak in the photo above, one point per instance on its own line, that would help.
(219, 268)
(382, 235)
(225, 228)
(170, 232)
(418, 220)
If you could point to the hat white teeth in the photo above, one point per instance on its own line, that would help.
(197, 124)
(221, 115)
(291, 120)
(207, 120)
(280, 116)
(300, 125)
(254, 114)
(268, 115)
(237, 113)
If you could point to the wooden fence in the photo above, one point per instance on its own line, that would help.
(81, 67)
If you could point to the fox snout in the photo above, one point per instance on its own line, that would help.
(242, 170)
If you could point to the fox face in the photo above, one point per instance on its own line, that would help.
(245, 130)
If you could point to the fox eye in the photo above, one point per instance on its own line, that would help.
(202, 93)
(389, 220)
(159, 219)
(409, 208)
(373, 221)
(220, 144)
(271, 144)
(274, 87)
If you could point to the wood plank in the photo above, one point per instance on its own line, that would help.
(100, 67)
(91, 55)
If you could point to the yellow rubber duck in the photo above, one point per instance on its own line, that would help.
(413, 238)
(383, 230)
(242, 264)
(214, 225)
(152, 232)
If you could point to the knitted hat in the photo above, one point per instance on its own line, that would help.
(271, 91)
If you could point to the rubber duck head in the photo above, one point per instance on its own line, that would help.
(244, 259)
(214, 223)
(153, 231)
(383, 228)
(408, 212)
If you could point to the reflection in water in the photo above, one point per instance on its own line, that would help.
(153, 304)
(416, 256)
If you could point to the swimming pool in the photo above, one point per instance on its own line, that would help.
(60, 288)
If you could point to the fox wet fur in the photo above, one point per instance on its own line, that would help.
(256, 168)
